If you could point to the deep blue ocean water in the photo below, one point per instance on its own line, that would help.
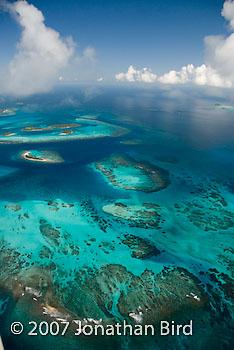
(186, 135)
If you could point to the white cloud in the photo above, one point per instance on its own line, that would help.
(42, 53)
(228, 12)
(88, 55)
(82, 67)
(143, 75)
(218, 69)
(202, 75)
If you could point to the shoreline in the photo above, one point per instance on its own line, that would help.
(26, 156)
(117, 132)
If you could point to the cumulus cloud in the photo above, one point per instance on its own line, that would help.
(228, 12)
(218, 69)
(42, 53)
(143, 75)
(202, 75)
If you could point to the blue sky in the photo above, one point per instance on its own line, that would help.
(159, 34)
(124, 32)
(142, 33)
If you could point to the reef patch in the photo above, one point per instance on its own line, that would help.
(127, 173)
(84, 129)
(208, 211)
(141, 248)
(147, 215)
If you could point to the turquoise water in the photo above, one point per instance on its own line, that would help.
(132, 177)
(94, 129)
(95, 265)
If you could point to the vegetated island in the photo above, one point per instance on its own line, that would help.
(85, 129)
(42, 156)
(51, 127)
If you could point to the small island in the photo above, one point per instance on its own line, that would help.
(52, 127)
(84, 129)
(36, 128)
(228, 107)
(66, 132)
(8, 111)
(42, 156)
(9, 134)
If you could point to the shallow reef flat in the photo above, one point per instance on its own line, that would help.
(146, 215)
(127, 173)
(112, 294)
(41, 156)
(72, 234)
(85, 129)
(88, 116)
(140, 302)
(58, 260)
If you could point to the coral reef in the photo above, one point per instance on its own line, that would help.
(127, 173)
(208, 210)
(141, 248)
(146, 215)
